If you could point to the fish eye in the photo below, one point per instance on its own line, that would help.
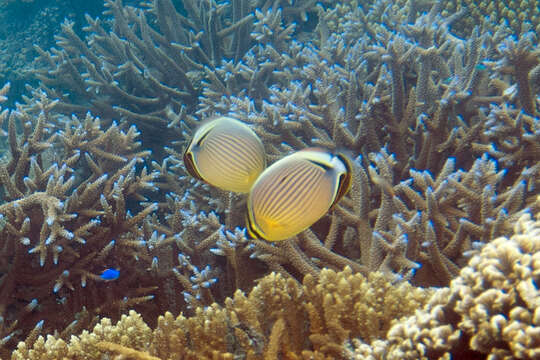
(342, 188)
(324, 166)
(202, 139)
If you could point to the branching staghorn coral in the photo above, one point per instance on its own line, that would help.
(357, 124)
(416, 208)
(279, 318)
(299, 95)
(146, 66)
(117, 73)
(68, 192)
(442, 132)
(520, 57)
(511, 137)
(320, 96)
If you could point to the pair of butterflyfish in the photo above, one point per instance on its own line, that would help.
(284, 199)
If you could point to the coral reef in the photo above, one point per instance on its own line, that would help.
(278, 319)
(147, 65)
(490, 310)
(442, 127)
(29, 23)
(66, 187)
(381, 88)
(518, 15)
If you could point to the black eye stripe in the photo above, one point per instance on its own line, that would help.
(203, 138)
(325, 167)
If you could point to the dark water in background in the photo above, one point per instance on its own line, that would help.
(26, 23)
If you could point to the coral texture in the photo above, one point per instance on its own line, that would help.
(64, 219)
(278, 319)
(518, 15)
(29, 23)
(442, 128)
(491, 310)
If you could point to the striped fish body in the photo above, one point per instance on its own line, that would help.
(295, 192)
(225, 153)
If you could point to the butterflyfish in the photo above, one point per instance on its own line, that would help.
(110, 274)
(225, 153)
(295, 192)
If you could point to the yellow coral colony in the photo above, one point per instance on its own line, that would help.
(278, 319)
(492, 310)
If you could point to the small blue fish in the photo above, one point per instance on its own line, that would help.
(481, 67)
(110, 274)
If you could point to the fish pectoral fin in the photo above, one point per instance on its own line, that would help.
(273, 226)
